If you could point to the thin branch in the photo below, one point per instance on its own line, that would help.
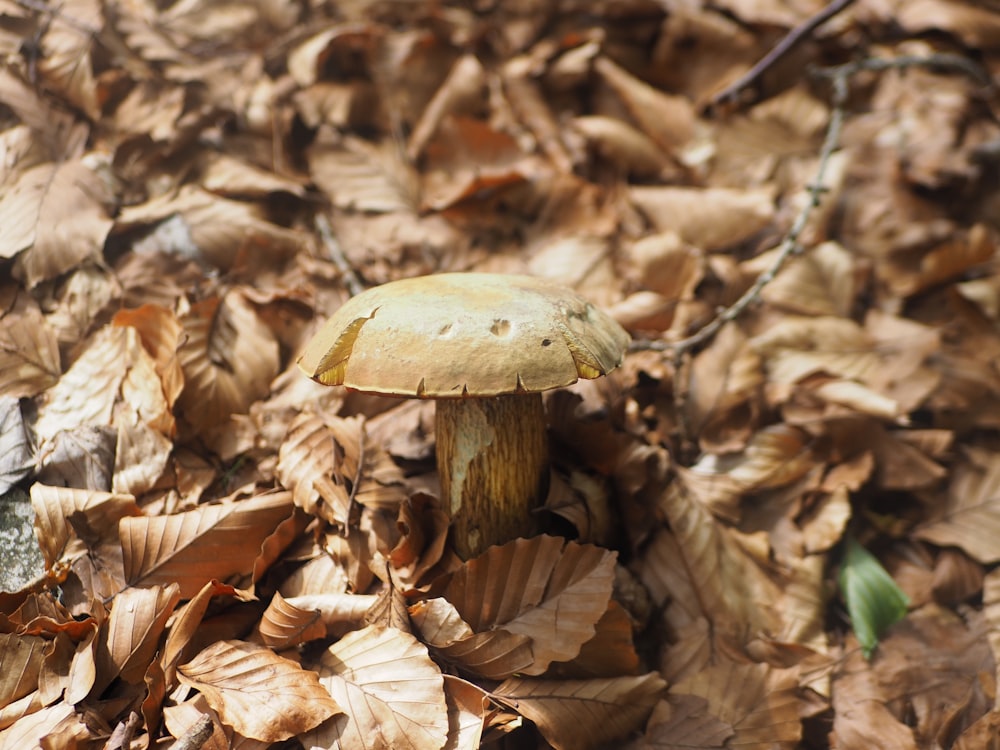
(336, 253)
(196, 735)
(791, 40)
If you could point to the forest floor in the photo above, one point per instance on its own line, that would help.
(775, 525)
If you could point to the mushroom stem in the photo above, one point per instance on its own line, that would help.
(492, 458)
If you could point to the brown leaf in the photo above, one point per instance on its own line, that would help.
(682, 722)
(20, 664)
(763, 713)
(537, 589)
(330, 462)
(66, 62)
(60, 511)
(192, 548)
(229, 358)
(130, 638)
(260, 694)
(29, 352)
(708, 218)
(396, 694)
(969, 517)
(38, 205)
(16, 452)
(581, 714)
(114, 372)
(289, 622)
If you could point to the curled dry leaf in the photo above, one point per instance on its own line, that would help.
(395, 692)
(583, 714)
(290, 622)
(708, 218)
(541, 589)
(229, 358)
(65, 60)
(16, 451)
(970, 516)
(192, 548)
(130, 639)
(328, 463)
(762, 714)
(29, 351)
(61, 216)
(114, 372)
(260, 694)
(97, 511)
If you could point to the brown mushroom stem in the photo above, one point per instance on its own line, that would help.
(492, 457)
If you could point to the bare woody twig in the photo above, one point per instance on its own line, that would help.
(839, 77)
(196, 735)
(336, 253)
(732, 92)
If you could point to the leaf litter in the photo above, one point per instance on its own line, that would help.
(190, 189)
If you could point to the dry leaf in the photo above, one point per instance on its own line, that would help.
(229, 358)
(16, 452)
(535, 589)
(583, 714)
(29, 352)
(395, 691)
(260, 694)
(192, 548)
(48, 243)
(969, 516)
(330, 463)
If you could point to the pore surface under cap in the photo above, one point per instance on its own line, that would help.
(464, 334)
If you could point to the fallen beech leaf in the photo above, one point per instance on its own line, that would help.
(362, 177)
(82, 457)
(818, 282)
(260, 694)
(192, 548)
(708, 218)
(582, 714)
(20, 664)
(396, 694)
(969, 517)
(65, 57)
(289, 622)
(468, 705)
(682, 722)
(29, 351)
(229, 358)
(130, 639)
(59, 509)
(61, 216)
(536, 589)
(16, 452)
(114, 371)
(763, 713)
(333, 460)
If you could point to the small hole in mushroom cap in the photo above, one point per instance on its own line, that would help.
(445, 330)
(500, 327)
(546, 342)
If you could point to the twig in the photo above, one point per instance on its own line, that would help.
(839, 77)
(121, 738)
(336, 253)
(196, 735)
(732, 92)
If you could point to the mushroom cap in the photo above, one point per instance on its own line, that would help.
(456, 335)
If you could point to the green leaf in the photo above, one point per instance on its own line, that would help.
(874, 601)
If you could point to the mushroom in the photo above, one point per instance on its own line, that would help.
(484, 346)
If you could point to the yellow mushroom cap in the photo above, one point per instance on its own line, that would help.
(457, 335)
